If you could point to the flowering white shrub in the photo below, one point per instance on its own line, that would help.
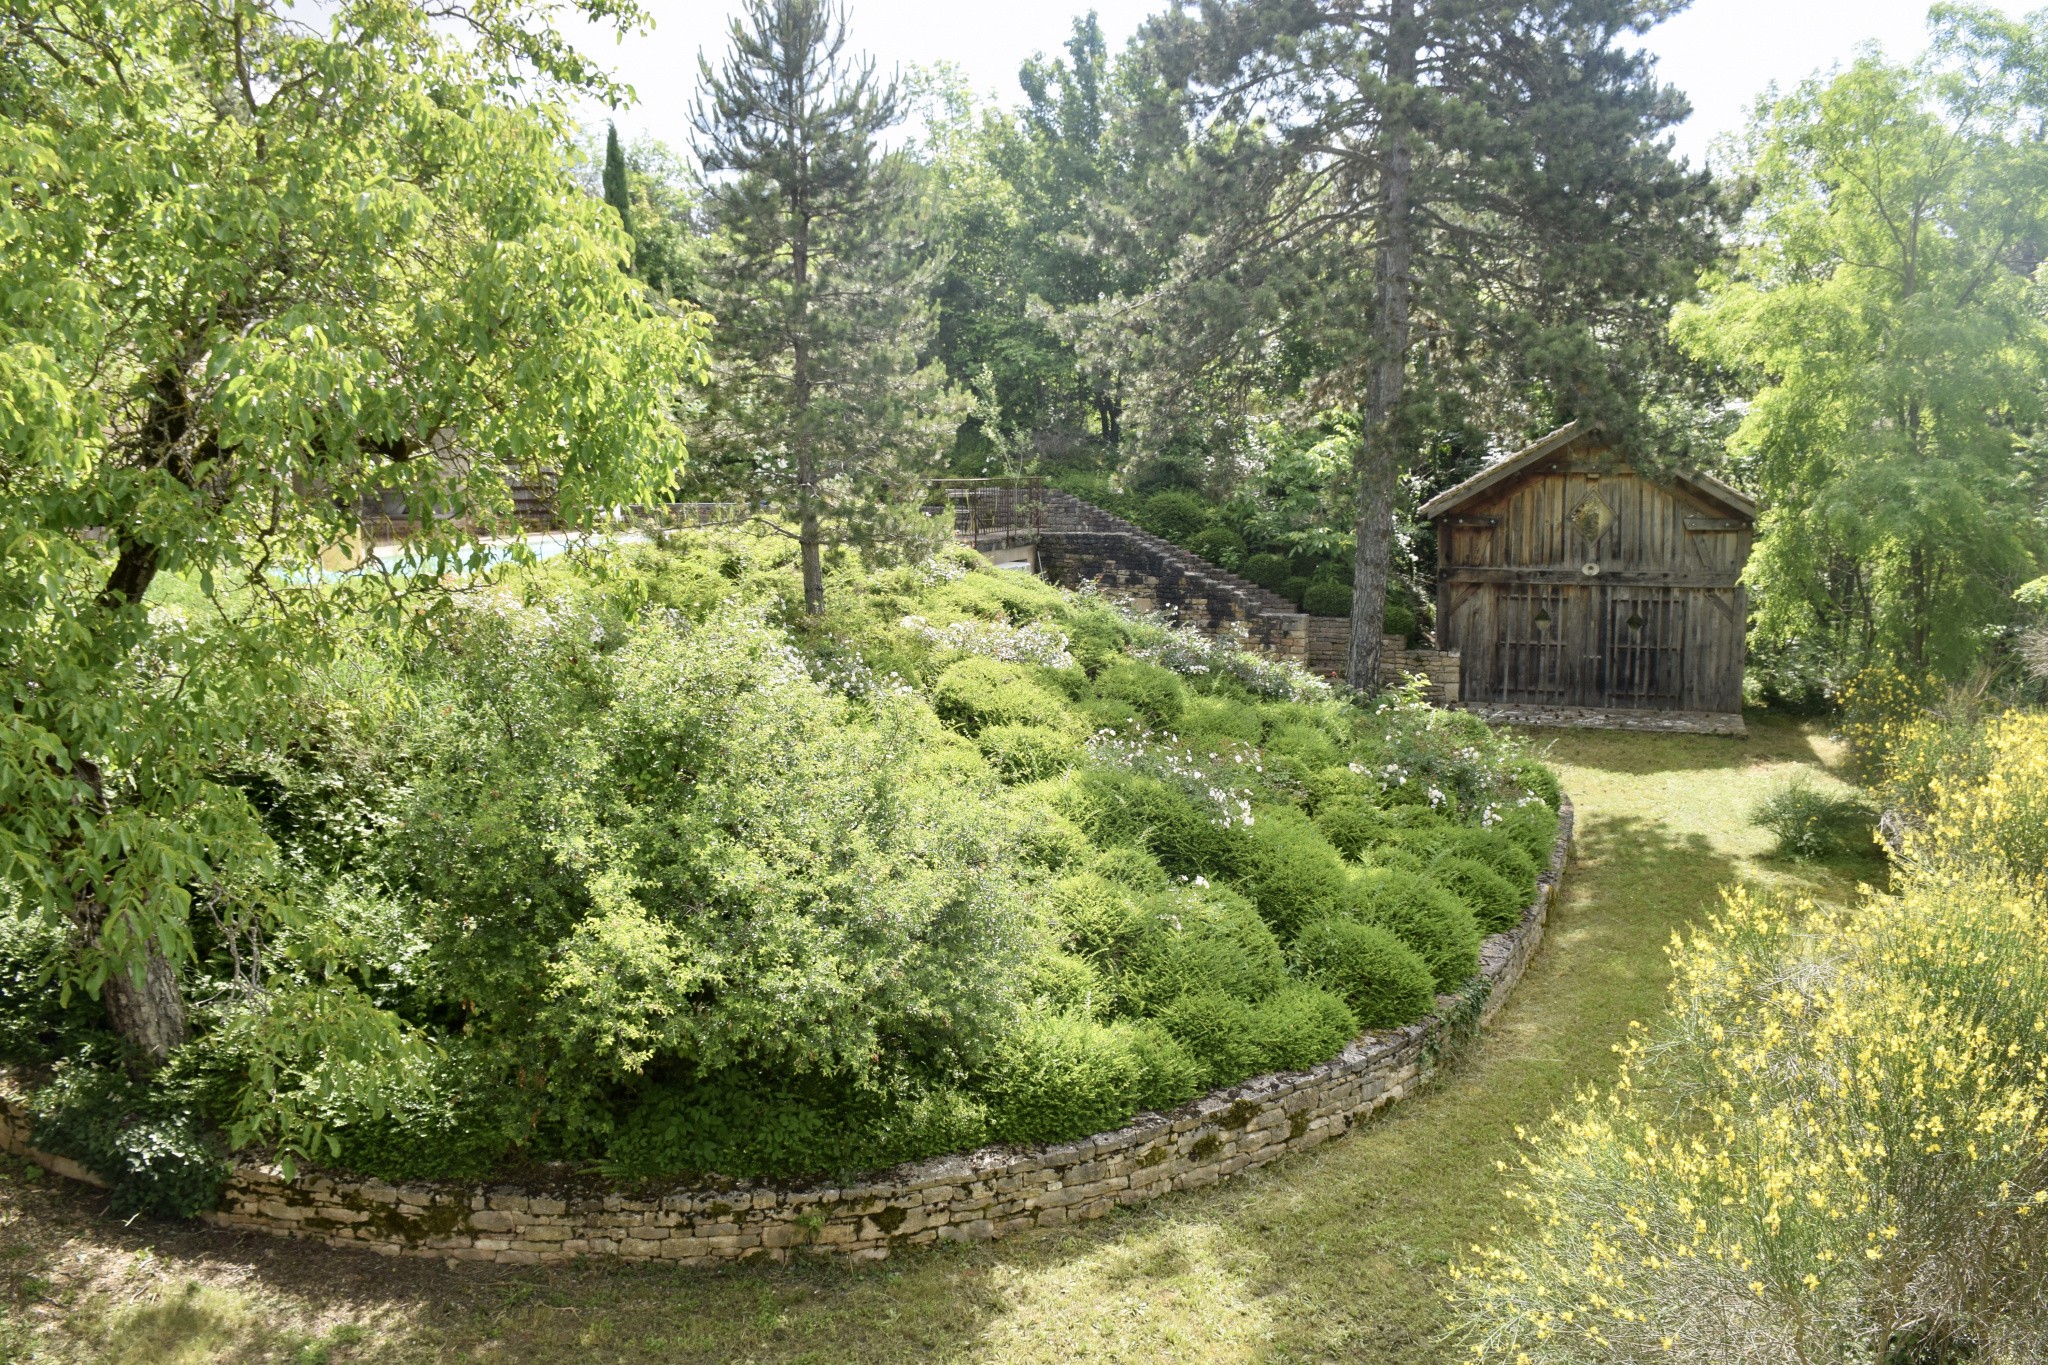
(1026, 644)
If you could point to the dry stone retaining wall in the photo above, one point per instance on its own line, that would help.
(972, 1197)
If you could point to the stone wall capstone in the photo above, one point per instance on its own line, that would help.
(970, 1197)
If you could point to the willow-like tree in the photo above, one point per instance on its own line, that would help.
(1886, 313)
(1434, 212)
(824, 406)
(261, 273)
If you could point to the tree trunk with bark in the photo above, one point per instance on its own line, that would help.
(1377, 465)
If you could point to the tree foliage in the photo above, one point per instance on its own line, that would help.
(263, 274)
(1884, 311)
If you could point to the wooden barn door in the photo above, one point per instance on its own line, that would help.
(1532, 658)
(1642, 649)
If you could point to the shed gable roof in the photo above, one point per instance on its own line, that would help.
(1496, 475)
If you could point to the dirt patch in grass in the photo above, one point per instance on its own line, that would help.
(1334, 1255)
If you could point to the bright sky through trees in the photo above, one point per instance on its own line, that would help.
(1722, 52)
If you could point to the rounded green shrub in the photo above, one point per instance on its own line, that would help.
(1055, 1077)
(1496, 905)
(1219, 545)
(1095, 916)
(1384, 981)
(1301, 1026)
(1352, 827)
(1538, 781)
(1306, 746)
(975, 694)
(1096, 639)
(1067, 984)
(1224, 717)
(1267, 570)
(1411, 820)
(1290, 871)
(1168, 1073)
(1220, 1032)
(1533, 828)
(1132, 868)
(1327, 599)
(1174, 513)
(1434, 922)
(1338, 784)
(1027, 753)
(1295, 588)
(1189, 942)
(1399, 620)
(1495, 848)
(1154, 693)
(1120, 807)
(1047, 839)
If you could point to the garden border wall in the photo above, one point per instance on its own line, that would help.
(970, 1197)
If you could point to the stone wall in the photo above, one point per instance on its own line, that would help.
(972, 1197)
(1329, 652)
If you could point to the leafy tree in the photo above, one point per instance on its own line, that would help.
(261, 275)
(1434, 212)
(824, 403)
(1885, 312)
(615, 192)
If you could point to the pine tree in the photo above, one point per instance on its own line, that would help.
(615, 192)
(1440, 211)
(823, 406)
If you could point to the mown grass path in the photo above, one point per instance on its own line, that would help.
(1335, 1255)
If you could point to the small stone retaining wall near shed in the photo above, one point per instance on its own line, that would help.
(971, 1197)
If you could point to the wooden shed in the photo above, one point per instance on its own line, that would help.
(1570, 582)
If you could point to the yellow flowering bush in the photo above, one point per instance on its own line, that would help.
(1834, 1150)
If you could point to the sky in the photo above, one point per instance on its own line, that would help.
(1722, 53)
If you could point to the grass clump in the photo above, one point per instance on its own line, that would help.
(1810, 822)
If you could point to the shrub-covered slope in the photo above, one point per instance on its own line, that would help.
(663, 877)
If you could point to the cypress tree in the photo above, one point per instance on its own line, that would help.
(615, 178)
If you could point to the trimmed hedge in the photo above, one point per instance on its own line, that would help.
(1301, 1026)
(1220, 1032)
(1496, 904)
(1194, 943)
(1057, 1077)
(1289, 870)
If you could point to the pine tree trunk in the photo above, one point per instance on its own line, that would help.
(1378, 462)
(809, 536)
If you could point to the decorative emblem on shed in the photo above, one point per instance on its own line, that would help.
(1591, 518)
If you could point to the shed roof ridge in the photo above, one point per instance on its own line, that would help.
(1501, 470)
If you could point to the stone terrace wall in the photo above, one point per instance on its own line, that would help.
(1329, 651)
(980, 1195)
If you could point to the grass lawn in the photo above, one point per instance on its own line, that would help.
(1337, 1254)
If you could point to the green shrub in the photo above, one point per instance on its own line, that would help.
(1434, 922)
(1384, 981)
(1494, 847)
(1290, 871)
(1047, 839)
(1056, 1077)
(1120, 807)
(1352, 827)
(1133, 868)
(1496, 904)
(1337, 784)
(1192, 943)
(1096, 917)
(1067, 984)
(1168, 1074)
(1267, 570)
(1096, 639)
(1175, 514)
(38, 1024)
(1533, 829)
(1220, 1032)
(739, 1122)
(1812, 823)
(1153, 692)
(1295, 588)
(1399, 620)
(1219, 545)
(154, 1154)
(1306, 746)
(458, 1128)
(1537, 780)
(1301, 1026)
(1327, 599)
(1027, 753)
(1224, 717)
(977, 693)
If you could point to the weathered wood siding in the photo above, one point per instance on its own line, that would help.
(1648, 613)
